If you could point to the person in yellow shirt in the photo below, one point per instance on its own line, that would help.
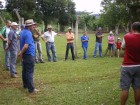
(69, 39)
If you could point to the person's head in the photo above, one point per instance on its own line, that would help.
(30, 24)
(118, 39)
(22, 26)
(110, 33)
(84, 33)
(99, 29)
(135, 27)
(14, 25)
(69, 29)
(49, 27)
(8, 23)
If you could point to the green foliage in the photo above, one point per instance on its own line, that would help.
(62, 11)
(86, 19)
(26, 8)
(133, 9)
(114, 14)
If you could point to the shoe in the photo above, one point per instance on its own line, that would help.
(35, 91)
(14, 76)
(16, 73)
(66, 59)
(94, 56)
(41, 61)
(55, 61)
(8, 69)
(36, 62)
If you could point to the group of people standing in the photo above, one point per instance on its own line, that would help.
(29, 42)
(28, 38)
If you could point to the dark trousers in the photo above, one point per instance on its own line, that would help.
(69, 46)
(27, 72)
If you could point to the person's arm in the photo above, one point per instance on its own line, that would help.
(69, 38)
(20, 54)
(123, 44)
(10, 37)
(1, 37)
(100, 36)
(43, 38)
(38, 32)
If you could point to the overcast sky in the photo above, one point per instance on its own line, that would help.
(87, 5)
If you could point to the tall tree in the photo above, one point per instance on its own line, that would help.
(133, 9)
(114, 15)
(25, 7)
(62, 11)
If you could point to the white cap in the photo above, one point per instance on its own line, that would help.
(119, 38)
(111, 32)
(14, 24)
(69, 28)
(49, 27)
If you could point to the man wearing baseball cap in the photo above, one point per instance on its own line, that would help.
(27, 54)
(12, 47)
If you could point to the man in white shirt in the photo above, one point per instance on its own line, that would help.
(48, 38)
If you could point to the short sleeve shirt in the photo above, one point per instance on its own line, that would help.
(99, 40)
(85, 39)
(12, 36)
(26, 38)
(49, 36)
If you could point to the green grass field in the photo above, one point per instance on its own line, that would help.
(82, 82)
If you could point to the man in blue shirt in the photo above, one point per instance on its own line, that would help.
(84, 40)
(27, 54)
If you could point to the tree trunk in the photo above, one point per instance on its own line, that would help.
(116, 31)
(126, 28)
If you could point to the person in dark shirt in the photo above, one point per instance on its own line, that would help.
(99, 36)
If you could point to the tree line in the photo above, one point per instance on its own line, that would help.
(116, 14)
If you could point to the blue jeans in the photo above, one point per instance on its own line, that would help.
(27, 72)
(85, 52)
(98, 46)
(7, 56)
(50, 46)
(13, 59)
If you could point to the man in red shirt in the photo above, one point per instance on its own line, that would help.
(130, 70)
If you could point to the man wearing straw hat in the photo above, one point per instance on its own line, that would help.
(27, 54)
(48, 38)
(70, 39)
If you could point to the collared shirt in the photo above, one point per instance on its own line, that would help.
(7, 31)
(111, 39)
(69, 37)
(84, 40)
(12, 36)
(49, 36)
(99, 40)
(26, 38)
